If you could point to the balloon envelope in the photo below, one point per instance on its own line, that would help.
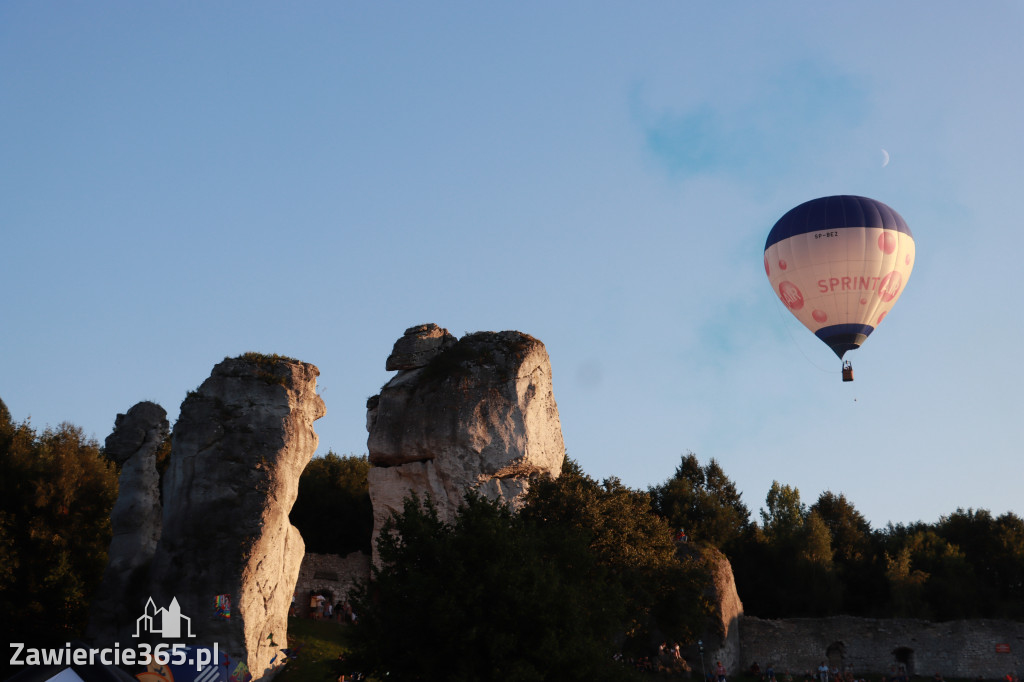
(839, 264)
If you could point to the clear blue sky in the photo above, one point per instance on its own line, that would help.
(180, 182)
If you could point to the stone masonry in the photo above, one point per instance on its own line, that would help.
(965, 648)
(331, 575)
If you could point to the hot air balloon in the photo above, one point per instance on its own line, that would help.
(839, 264)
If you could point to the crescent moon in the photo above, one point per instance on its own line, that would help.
(885, 158)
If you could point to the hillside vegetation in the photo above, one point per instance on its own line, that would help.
(608, 547)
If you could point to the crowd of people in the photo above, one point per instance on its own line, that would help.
(668, 661)
(831, 673)
(321, 608)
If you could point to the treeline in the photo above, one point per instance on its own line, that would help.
(56, 493)
(826, 559)
(333, 510)
(57, 489)
(580, 580)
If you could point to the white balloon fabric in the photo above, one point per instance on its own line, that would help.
(839, 264)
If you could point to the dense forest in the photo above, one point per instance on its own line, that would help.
(792, 559)
(826, 559)
(56, 493)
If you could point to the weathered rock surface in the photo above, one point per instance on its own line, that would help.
(135, 519)
(238, 448)
(418, 346)
(728, 610)
(142, 428)
(480, 414)
(721, 633)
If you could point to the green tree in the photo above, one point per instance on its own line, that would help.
(56, 492)
(782, 519)
(942, 575)
(994, 547)
(333, 510)
(491, 596)
(857, 560)
(786, 568)
(663, 590)
(906, 585)
(819, 591)
(1009, 560)
(704, 502)
(815, 541)
(849, 530)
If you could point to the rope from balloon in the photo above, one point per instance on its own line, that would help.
(785, 324)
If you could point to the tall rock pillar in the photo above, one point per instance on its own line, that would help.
(134, 520)
(238, 448)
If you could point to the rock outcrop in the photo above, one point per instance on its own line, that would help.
(418, 346)
(224, 569)
(238, 448)
(474, 414)
(720, 634)
(135, 519)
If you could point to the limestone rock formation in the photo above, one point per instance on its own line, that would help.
(238, 448)
(134, 520)
(418, 346)
(478, 414)
(139, 430)
(721, 634)
(728, 610)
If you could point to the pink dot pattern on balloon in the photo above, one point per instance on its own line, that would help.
(887, 242)
(819, 315)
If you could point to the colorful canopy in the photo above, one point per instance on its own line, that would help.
(839, 264)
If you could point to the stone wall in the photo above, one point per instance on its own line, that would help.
(966, 649)
(329, 574)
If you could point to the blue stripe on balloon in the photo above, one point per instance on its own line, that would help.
(829, 213)
(843, 337)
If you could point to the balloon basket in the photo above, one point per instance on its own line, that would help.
(847, 372)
